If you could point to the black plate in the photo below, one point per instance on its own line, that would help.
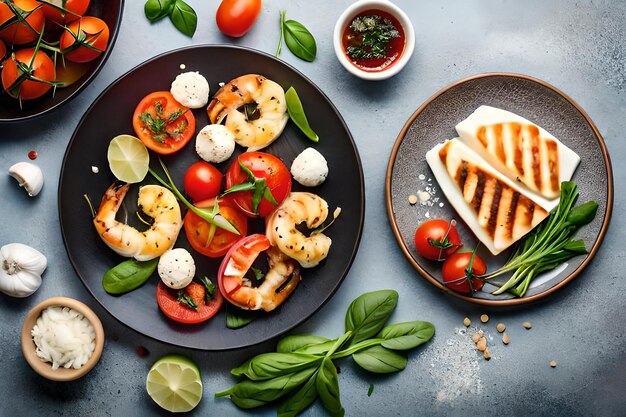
(434, 122)
(108, 10)
(111, 114)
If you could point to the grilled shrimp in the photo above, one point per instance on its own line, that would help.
(255, 110)
(281, 228)
(279, 282)
(157, 202)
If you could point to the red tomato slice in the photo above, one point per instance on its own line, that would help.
(237, 261)
(262, 165)
(156, 123)
(198, 230)
(455, 275)
(167, 301)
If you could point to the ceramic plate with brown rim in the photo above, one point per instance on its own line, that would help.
(434, 121)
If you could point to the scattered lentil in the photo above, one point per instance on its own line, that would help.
(527, 325)
(506, 339)
(486, 354)
(482, 344)
(476, 337)
(467, 322)
(500, 327)
(484, 318)
(412, 199)
(553, 364)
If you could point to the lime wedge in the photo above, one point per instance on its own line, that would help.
(128, 158)
(174, 383)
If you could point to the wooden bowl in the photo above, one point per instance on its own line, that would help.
(45, 368)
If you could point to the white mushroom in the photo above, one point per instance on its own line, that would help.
(29, 176)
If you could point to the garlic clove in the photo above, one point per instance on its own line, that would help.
(21, 267)
(29, 176)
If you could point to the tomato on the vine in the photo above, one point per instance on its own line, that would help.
(27, 21)
(163, 124)
(269, 171)
(202, 181)
(85, 39)
(460, 272)
(39, 66)
(236, 17)
(210, 240)
(171, 304)
(69, 11)
(437, 239)
(3, 50)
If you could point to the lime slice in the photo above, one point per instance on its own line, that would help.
(128, 158)
(174, 383)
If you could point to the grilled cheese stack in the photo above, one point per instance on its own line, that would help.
(502, 176)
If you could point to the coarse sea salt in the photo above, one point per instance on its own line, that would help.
(63, 337)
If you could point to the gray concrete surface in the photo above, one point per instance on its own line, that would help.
(579, 47)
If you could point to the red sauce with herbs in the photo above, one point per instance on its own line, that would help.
(393, 48)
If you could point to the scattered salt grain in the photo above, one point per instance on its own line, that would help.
(95, 169)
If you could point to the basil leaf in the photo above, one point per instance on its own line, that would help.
(250, 394)
(296, 114)
(238, 319)
(407, 335)
(128, 275)
(380, 360)
(271, 365)
(368, 313)
(327, 385)
(158, 9)
(184, 18)
(299, 40)
(299, 401)
(295, 342)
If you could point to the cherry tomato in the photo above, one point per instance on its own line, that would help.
(210, 240)
(167, 299)
(41, 66)
(437, 239)
(456, 273)
(262, 165)
(236, 263)
(202, 181)
(74, 9)
(85, 39)
(236, 17)
(163, 124)
(20, 32)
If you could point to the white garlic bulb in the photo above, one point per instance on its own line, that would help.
(20, 270)
(29, 176)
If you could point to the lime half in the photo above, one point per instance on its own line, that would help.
(128, 158)
(174, 383)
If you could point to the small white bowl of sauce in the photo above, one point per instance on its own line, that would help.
(374, 39)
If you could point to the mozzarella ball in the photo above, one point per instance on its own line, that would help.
(176, 268)
(215, 143)
(309, 168)
(191, 90)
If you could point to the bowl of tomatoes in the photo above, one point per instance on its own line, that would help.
(51, 50)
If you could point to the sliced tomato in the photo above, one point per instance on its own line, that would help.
(163, 124)
(85, 39)
(237, 262)
(210, 240)
(263, 166)
(167, 300)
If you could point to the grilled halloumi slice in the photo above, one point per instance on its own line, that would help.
(494, 207)
(519, 149)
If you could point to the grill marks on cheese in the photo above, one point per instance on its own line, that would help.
(502, 212)
(532, 158)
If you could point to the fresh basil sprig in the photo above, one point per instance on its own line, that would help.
(128, 275)
(297, 115)
(182, 15)
(302, 368)
(297, 38)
